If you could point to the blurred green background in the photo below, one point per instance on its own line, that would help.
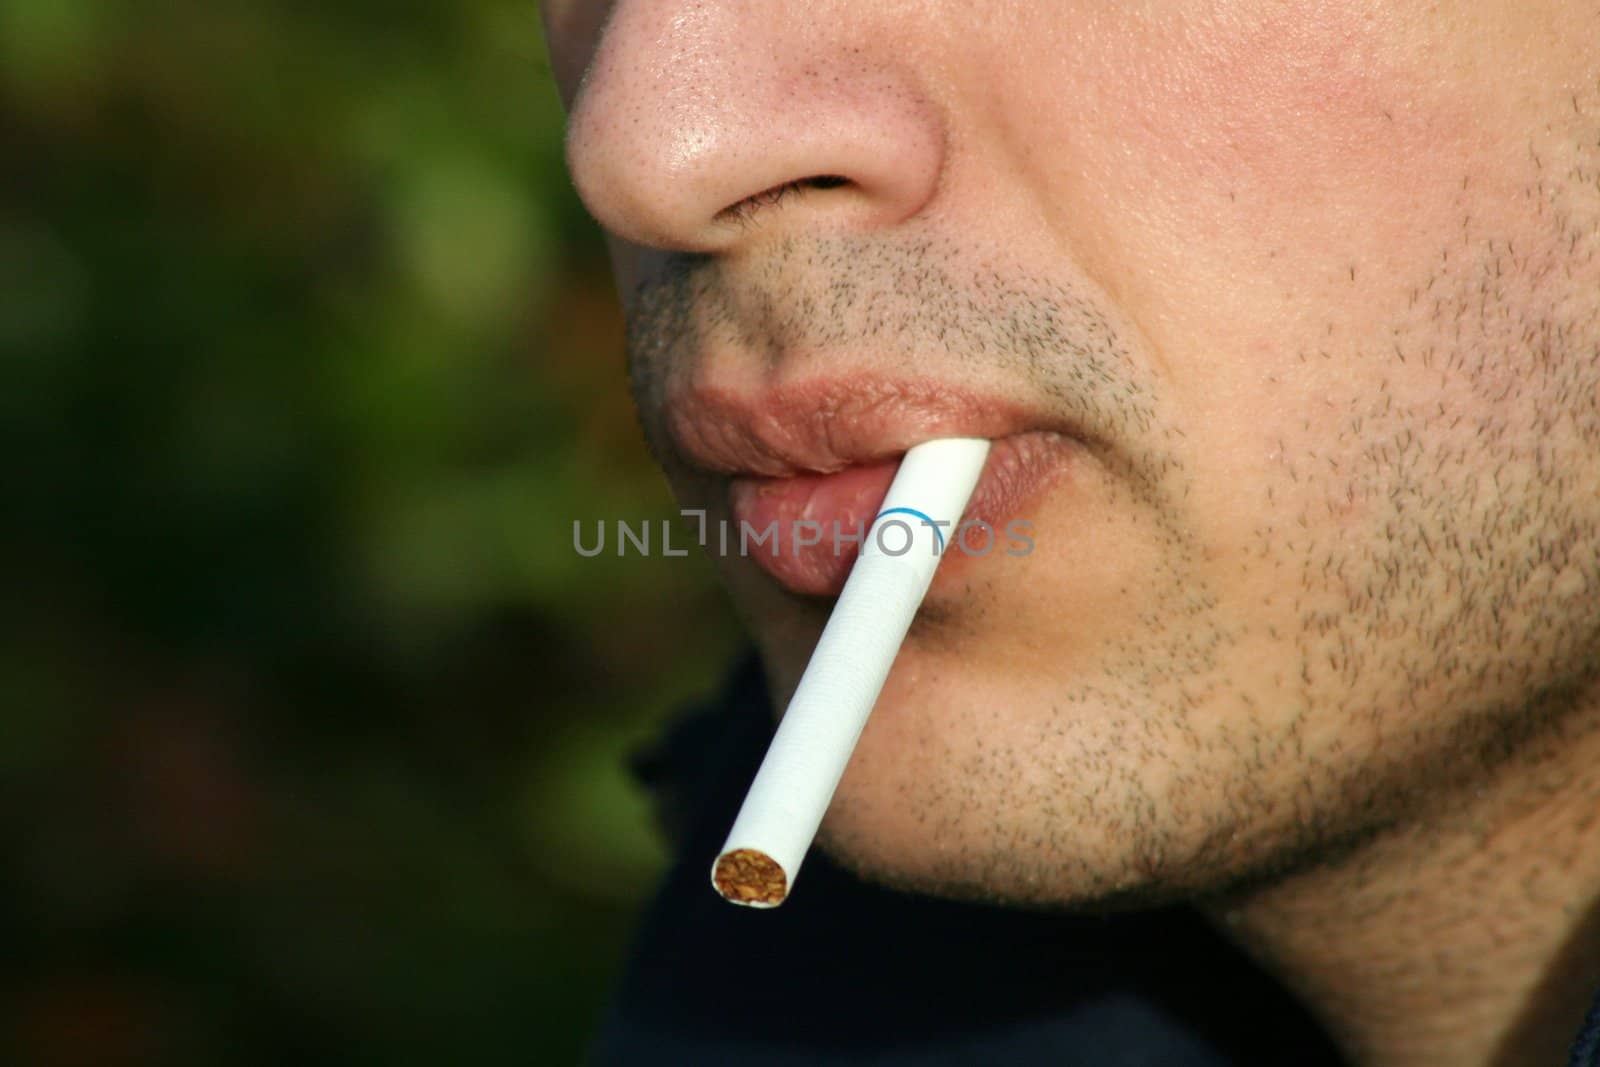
(313, 720)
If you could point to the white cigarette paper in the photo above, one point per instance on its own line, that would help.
(791, 792)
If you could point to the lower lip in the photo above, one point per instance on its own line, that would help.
(1018, 470)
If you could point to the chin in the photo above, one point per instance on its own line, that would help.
(971, 788)
(1042, 794)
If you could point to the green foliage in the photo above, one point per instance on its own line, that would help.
(314, 719)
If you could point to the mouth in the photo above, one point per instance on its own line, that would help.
(812, 525)
(807, 467)
(820, 427)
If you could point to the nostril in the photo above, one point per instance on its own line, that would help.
(741, 211)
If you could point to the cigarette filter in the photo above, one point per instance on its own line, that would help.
(761, 858)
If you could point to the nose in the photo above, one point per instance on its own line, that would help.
(701, 125)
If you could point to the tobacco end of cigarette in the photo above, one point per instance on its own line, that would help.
(746, 876)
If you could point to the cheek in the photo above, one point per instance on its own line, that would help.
(1288, 107)
(572, 32)
(1280, 180)
(1241, 165)
(1296, 100)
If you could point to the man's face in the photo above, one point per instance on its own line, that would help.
(1286, 315)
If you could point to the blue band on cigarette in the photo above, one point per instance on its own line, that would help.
(913, 511)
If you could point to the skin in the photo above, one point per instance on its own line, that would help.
(1311, 632)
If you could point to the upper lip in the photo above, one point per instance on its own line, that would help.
(826, 425)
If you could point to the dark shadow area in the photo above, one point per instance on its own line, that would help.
(314, 721)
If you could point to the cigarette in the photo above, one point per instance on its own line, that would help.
(760, 860)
